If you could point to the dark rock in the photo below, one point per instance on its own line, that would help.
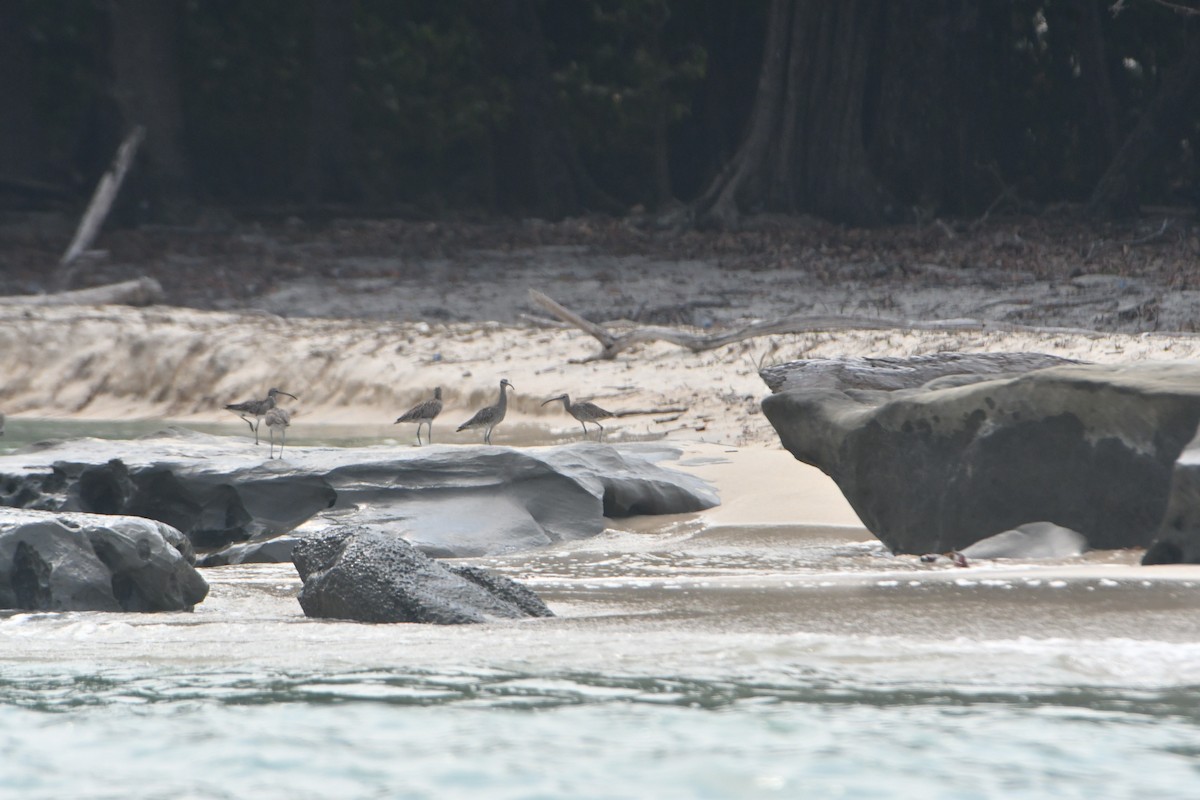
(1030, 541)
(270, 551)
(937, 466)
(90, 562)
(449, 500)
(1178, 538)
(204, 486)
(373, 576)
(890, 374)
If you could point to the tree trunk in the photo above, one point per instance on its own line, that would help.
(1117, 192)
(146, 88)
(662, 157)
(721, 202)
(805, 148)
(929, 104)
(330, 173)
(1102, 105)
(537, 163)
(20, 154)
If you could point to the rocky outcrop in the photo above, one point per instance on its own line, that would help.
(1178, 538)
(373, 576)
(90, 562)
(449, 500)
(209, 488)
(936, 465)
(1033, 540)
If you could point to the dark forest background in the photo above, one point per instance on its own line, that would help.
(859, 111)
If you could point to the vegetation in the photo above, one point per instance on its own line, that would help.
(861, 111)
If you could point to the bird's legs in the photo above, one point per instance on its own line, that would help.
(252, 424)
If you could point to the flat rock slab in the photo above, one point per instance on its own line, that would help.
(934, 465)
(1033, 540)
(1178, 538)
(91, 562)
(373, 576)
(449, 500)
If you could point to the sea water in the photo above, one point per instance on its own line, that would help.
(685, 661)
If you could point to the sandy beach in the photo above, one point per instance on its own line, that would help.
(360, 334)
(353, 377)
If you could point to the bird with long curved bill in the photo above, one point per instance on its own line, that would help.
(252, 411)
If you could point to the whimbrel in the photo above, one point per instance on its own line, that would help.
(256, 409)
(278, 418)
(491, 416)
(423, 413)
(585, 412)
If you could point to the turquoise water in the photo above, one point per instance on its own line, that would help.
(685, 662)
(723, 683)
(510, 736)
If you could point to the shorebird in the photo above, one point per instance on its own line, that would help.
(491, 416)
(278, 418)
(585, 412)
(256, 409)
(424, 413)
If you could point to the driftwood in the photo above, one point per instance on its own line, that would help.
(103, 197)
(641, 412)
(612, 344)
(143, 291)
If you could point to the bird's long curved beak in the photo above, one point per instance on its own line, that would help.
(289, 394)
(552, 399)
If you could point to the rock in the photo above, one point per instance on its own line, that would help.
(845, 374)
(936, 466)
(209, 488)
(450, 501)
(1031, 540)
(1178, 538)
(271, 551)
(91, 562)
(373, 576)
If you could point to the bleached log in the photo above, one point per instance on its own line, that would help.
(103, 197)
(611, 345)
(144, 291)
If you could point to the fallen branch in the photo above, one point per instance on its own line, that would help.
(612, 345)
(144, 291)
(636, 412)
(103, 197)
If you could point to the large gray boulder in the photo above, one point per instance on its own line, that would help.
(91, 562)
(1032, 540)
(449, 500)
(1178, 538)
(374, 576)
(936, 465)
(213, 489)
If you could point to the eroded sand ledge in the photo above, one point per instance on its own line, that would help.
(182, 364)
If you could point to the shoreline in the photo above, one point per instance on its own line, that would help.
(160, 366)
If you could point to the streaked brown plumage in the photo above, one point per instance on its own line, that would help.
(424, 413)
(491, 416)
(278, 418)
(256, 409)
(585, 412)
